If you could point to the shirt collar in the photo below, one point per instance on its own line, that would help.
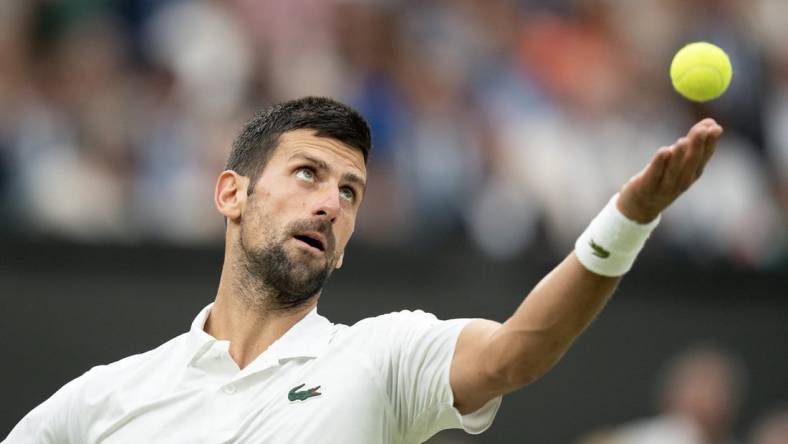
(306, 339)
(198, 340)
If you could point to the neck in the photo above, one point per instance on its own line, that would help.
(246, 314)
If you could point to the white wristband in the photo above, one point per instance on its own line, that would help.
(611, 242)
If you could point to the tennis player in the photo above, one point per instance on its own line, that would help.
(260, 365)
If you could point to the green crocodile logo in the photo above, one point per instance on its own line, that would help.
(303, 395)
(599, 251)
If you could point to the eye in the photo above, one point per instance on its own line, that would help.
(306, 174)
(347, 193)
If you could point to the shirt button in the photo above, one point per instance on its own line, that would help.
(229, 389)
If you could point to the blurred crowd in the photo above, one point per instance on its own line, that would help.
(699, 395)
(502, 121)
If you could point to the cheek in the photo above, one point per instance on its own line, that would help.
(343, 232)
(260, 222)
(288, 200)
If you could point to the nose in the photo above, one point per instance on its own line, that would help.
(328, 205)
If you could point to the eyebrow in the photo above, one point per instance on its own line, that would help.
(321, 164)
(350, 177)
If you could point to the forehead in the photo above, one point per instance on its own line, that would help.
(336, 154)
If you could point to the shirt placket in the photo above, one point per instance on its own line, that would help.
(232, 392)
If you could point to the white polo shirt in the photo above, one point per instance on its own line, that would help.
(382, 380)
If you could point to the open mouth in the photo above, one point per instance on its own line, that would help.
(313, 242)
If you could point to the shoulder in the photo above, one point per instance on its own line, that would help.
(389, 325)
(136, 369)
(399, 329)
(168, 351)
(377, 332)
(396, 320)
(70, 411)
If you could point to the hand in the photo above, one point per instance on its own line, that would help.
(671, 172)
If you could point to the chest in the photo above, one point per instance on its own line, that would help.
(328, 400)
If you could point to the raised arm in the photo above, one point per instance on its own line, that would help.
(492, 359)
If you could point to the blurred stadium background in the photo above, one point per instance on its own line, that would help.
(500, 127)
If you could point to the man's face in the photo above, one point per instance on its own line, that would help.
(301, 214)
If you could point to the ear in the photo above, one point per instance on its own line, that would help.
(339, 261)
(230, 194)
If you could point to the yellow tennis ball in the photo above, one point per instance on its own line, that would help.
(701, 71)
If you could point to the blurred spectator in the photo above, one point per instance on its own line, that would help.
(774, 34)
(498, 120)
(771, 429)
(205, 65)
(699, 395)
(72, 144)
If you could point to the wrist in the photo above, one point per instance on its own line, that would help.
(612, 241)
(636, 212)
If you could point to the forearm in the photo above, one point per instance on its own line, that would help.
(492, 359)
(546, 323)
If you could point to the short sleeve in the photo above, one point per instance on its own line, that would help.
(422, 348)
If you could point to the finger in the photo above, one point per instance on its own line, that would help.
(711, 144)
(708, 122)
(674, 163)
(704, 126)
(693, 158)
(655, 170)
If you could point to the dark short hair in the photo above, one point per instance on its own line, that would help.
(256, 143)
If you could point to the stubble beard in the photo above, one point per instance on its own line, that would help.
(280, 281)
